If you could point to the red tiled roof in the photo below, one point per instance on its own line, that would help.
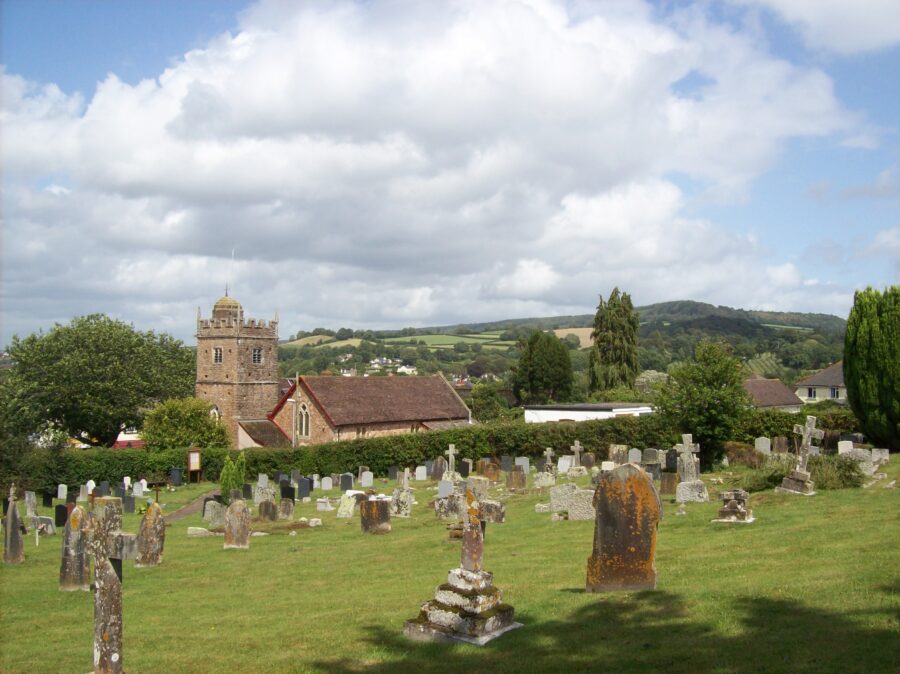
(367, 400)
(770, 393)
(833, 375)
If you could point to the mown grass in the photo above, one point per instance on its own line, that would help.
(812, 586)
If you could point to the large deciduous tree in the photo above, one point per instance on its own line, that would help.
(544, 370)
(614, 354)
(872, 364)
(93, 376)
(706, 397)
(183, 422)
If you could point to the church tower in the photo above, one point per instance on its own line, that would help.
(237, 364)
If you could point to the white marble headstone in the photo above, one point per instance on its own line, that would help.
(91, 485)
(763, 445)
(845, 446)
(366, 479)
(143, 482)
(564, 463)
(137, 490)
(327, 484)
(607, 466)
(445, 488)
(262, 480)
(525, 462)
(82, 493)
(635, 455)
(62, 491)
(421, 473)
(127, 481)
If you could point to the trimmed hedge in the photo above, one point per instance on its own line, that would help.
(42, 470)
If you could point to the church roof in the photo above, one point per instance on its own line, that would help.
(227, 303)
(770, 393)
(265, 433)
(833, 375)
(351, 401)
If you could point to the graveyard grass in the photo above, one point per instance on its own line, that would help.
(812, 586)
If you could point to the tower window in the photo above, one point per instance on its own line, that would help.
(217, 354)
(257, 356)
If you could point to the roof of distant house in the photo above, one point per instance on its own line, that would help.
(770, 393)
(833, 375)
(350, 401)
(588, 407)
(265, 433)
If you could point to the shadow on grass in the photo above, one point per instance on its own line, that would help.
(653, 632)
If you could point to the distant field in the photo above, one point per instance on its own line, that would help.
(583, 334)
(311, 340)
(765, 364)
(442, 341)
(775, 326)
(342, 343)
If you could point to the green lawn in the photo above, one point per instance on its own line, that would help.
(812, 586)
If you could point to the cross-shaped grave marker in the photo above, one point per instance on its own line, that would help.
(405, 481)
(686, 451)
(451, 454)
(549, 453)
(807, 433)
(577, 449)
(108, 546)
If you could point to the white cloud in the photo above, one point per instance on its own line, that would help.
(378, 162)
(840, 25)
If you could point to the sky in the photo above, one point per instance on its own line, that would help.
(383, 164)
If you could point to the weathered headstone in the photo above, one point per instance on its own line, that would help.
(151, 539)
(618, 454)
(588, 460)
(668, 483)
(863, 458)
(108, 547)
(31, 504)
(262, 480)
(13, 542)
(421, 473)
(327, 484)
(478, 486)
(672, 460)
(650, 456)
(563, 464)
(366, 479)
(214, 513)
(548, 458)
(237, 525)
(524, 462)
(375, 516)
(628, 513)
(492, 511)
(798, 480)
(576, 450)
(844, 446)
(606, 466)
(268, 511)
(83, 494)
(581, 505)
(516, 480)
(347, 504)
(359, 472)
(780, 444)
(438, 468)
(75, 567)
(393, 471)
(506, 463)
(451, 458)
(304, 487)
(346, 481)
(261, 494)
(401, 502)
(445, 488)
(540, 465)
(468, 607)
(286, 509)
(489, 469)
(428, 466)
(635, 455)
(543, 479)
(734, 507)
(323, 505)
(763, 445)
(137, 490)
(128, 504)
(690, 487)
(559, 497)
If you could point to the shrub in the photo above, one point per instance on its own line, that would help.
(770, 475)
(231, 477)
(742, 454)
(835, 472)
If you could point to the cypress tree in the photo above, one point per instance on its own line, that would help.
(544, 371)
(872, 364)
(613, 360)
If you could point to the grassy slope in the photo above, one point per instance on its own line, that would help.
(812, 586)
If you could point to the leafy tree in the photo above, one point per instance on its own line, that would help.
(232, 476)
(544, 370)
(872, 363)
(705, 397)
(183, 422)
(614, 356)
(94, 376)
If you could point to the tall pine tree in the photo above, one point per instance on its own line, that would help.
(872, 364)
(613, 359)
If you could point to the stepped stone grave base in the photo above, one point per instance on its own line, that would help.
(467, 608)
(797, 482)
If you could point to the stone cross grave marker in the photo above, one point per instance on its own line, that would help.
(576, 450)
(807, 433)
(689, 470)
(548, 454)
(451, 458)
(628, 512)
(13, 542)
(108, 546)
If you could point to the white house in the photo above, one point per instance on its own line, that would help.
(540, 414)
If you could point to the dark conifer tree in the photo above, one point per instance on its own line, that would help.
(614, 356)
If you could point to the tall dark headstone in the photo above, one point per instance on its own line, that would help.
(464, 468)
(61, 515)
(438, 468)
(346, 481)
(176, 476)
(375, 516)
(47, 500)
(119, 490)
(104, 488)
(506, 463)
(268, 511)
(628, 512)
(671, 460)
(392, 472)
(128, 504)
(13, 542)
(247, 491)
(304, 486)
(71, 497)
(287, 491)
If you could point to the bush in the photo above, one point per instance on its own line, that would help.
(742, 454)
(827, 471)
(770, 475)
(232, 476)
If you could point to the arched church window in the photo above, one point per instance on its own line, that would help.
(303, 421)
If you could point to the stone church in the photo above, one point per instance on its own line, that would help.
(237, 371)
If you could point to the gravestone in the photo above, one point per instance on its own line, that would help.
(492, 511)
(478, 486)
(104, 489)
(489, 469)
(780, 444)
(366, 479)
(13, 542)
(262, 480)
(143, 482)
(402, 499)
(128, 504)
(75, 568)
(468, 607)
(650, 456)
(316, 479)
(268, 511)
(82, 493)
(465, 468)
(62, 491)
(119, 490)
(581, 505)
(543, 479)
(438, 468)
(864, 460)
(91, 486)
(295, 476)
(286, 509)
(346, 482)
(31, 504)
(108, 547)
(606, 466)
(798, 480)
(326, 484)
(576, 450)
(237, 525)
(506, 463)
(559, 497)
(247, 491)
(635, 455)
(176, 476)
(844, 446)
(618, 454)
(449, 507)
(359, 472)
(451, 458)
(672, 460)
(375, 516)
(61, 514)
(46, 501)
(287, 491)
(151, 539)
(628, 513)
(261, 494)
(564, 464)
(323, 505)
(540, 465)
(428, 466)
(548, 458)
(347, 504)
(690, 487)
(393, 471)
(279, 477)
(668, 483)
(763, 445)
(516, 480)
(588, 460)
(524, 462)
(652, 470)
(421, 473)
(214, 513)
(304, 488)
(127, 481)
(137, 490)
(734, 507)
(445, 488)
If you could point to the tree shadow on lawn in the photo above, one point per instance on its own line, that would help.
(652, 632)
